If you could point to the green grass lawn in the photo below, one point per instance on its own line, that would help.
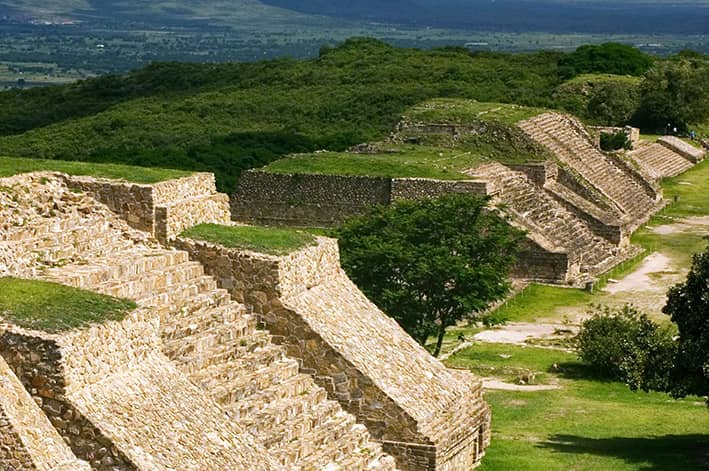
(587, 424)
(407, 161)
(12, 166)
(53, 307)
(270, 240)
(457, 111)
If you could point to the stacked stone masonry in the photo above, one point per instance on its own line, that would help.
(163, 209)
(560, 244)
(660, 161)
(188, 381)
(325, 200)
(632, 196)
(426, 415)
(28, 441)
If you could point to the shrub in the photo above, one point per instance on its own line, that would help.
(624, 344)
(615, 141)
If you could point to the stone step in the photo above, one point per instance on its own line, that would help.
(277, 403)
(118, 266)
(214, 341)
(208, 318)
(67, 251)
(41, 227)
(256, 372)
(328, 442)
(179, 295)
(158, 281)
(259, 342)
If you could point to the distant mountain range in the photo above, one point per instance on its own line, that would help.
(588, 16)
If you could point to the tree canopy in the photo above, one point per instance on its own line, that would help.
(688, 307)
(674, 92)
(430, 263)
(608, 58)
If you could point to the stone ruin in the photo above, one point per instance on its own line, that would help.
(578, 207)
(192, 379)
(240, 360)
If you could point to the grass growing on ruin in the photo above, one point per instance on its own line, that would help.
(406, 162)
(442, 162)
(270, 240)
(586, 424)
(457, 111)
(12, 166)
(52, 307)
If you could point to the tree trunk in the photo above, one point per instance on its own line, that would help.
(439, 342)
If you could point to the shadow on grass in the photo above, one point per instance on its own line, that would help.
(578, 371)
(686, 452)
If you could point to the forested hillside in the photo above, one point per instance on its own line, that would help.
(230, 117)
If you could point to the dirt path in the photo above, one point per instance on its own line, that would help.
(495, 384)
(519, 333)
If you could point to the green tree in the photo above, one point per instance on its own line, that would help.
(613, 103)
(688, 307)
(430, 263)
(608, 58)
(625, 345)
(674, 92)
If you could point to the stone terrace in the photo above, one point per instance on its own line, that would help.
(209, 339)
(550, 226)
(668, 157)
(630, 194)
(426, 415)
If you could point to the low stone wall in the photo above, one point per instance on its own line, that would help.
(687, 151)
(326, 200)
(426, 416)
(163, 209)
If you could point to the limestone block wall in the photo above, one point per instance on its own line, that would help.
(122, 405)
(28, 441)
(163, 209)
(632, 133)
(36, 360)
(305, 200)
(545, 265)
(419, 188)
(326, 200)
(539, 173)
(426, 416)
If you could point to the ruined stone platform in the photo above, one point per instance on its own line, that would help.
(425, 415)
(188, 381)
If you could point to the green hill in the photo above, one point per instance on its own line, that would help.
(229, 117)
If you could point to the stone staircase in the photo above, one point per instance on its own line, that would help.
(212, 339)
(568, 140)
(660, 161)
(551, 225)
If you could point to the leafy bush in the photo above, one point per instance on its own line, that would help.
(608, 58)
(624, 344)
(615, 141)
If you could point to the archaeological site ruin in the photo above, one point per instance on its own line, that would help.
(231, 359)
